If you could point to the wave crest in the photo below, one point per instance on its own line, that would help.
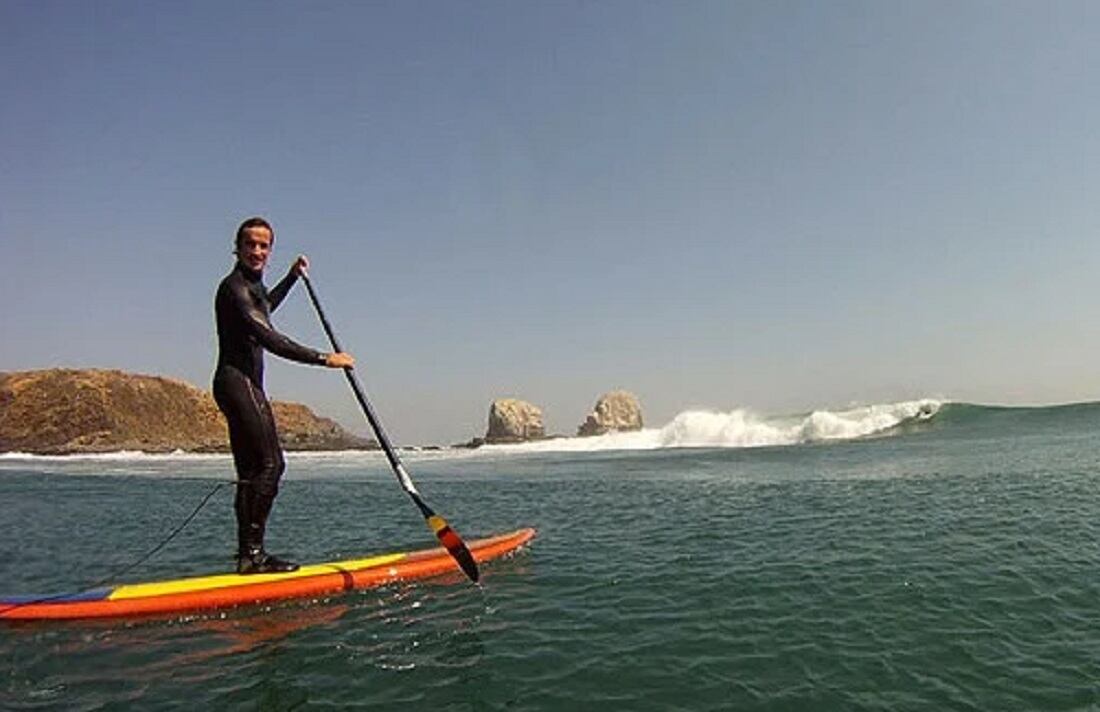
(743, 428)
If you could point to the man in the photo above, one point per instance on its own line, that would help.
(242, 309)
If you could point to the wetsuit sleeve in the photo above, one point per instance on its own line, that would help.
(259, 326)
(278, 293)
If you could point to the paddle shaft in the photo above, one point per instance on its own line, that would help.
(364, 403)
(447, 536)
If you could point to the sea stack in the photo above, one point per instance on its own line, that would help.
(616, 411)
(513, 421)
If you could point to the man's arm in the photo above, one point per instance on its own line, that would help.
(277, 294)
(259, 326)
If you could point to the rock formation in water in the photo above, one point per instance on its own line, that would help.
(616, 411)
(512, 421)
(67, 411)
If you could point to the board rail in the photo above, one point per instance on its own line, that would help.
(231, 590)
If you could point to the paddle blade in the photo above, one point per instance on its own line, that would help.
(454, 545)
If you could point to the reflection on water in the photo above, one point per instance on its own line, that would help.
(229, 635)
(394, 629)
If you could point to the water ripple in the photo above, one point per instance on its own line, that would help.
(900, 574)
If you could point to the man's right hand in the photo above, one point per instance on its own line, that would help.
(340, 360)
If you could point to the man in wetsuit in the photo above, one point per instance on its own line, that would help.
(242, 309)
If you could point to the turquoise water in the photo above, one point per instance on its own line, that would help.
(948, 563)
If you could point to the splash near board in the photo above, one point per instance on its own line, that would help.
(228, 590)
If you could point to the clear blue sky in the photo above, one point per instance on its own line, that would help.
(771, 205)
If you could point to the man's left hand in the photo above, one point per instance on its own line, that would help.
(300, 266)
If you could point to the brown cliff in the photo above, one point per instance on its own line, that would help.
(65, 411)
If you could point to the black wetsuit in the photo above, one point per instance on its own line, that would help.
(242, 308)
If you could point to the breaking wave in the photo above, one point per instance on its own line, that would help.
(744, 428)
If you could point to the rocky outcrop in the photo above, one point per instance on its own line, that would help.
(512, 421)
(65, 411)
(614, 412)
(302, 429)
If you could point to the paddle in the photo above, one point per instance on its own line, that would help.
(447, 536)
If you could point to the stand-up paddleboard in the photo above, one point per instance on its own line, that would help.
(227, 590)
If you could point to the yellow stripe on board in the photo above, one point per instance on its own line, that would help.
(205, 583)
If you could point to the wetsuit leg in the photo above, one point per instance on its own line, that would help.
(256, 454)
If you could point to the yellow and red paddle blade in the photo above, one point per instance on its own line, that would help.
(454, 545)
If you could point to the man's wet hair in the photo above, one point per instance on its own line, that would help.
(253, 222)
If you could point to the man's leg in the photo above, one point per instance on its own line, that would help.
(270, 468)
(259, 463)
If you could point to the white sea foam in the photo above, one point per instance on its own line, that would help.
(118, 456)
(742, 428)
(738, 428)
(138, 457)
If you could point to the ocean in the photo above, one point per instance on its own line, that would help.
(907, 556)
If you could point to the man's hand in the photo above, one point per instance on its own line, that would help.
(340, 360)
(300, 266)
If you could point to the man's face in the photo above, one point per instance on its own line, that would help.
(255, 248)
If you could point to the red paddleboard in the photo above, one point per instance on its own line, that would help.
(228, 590)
